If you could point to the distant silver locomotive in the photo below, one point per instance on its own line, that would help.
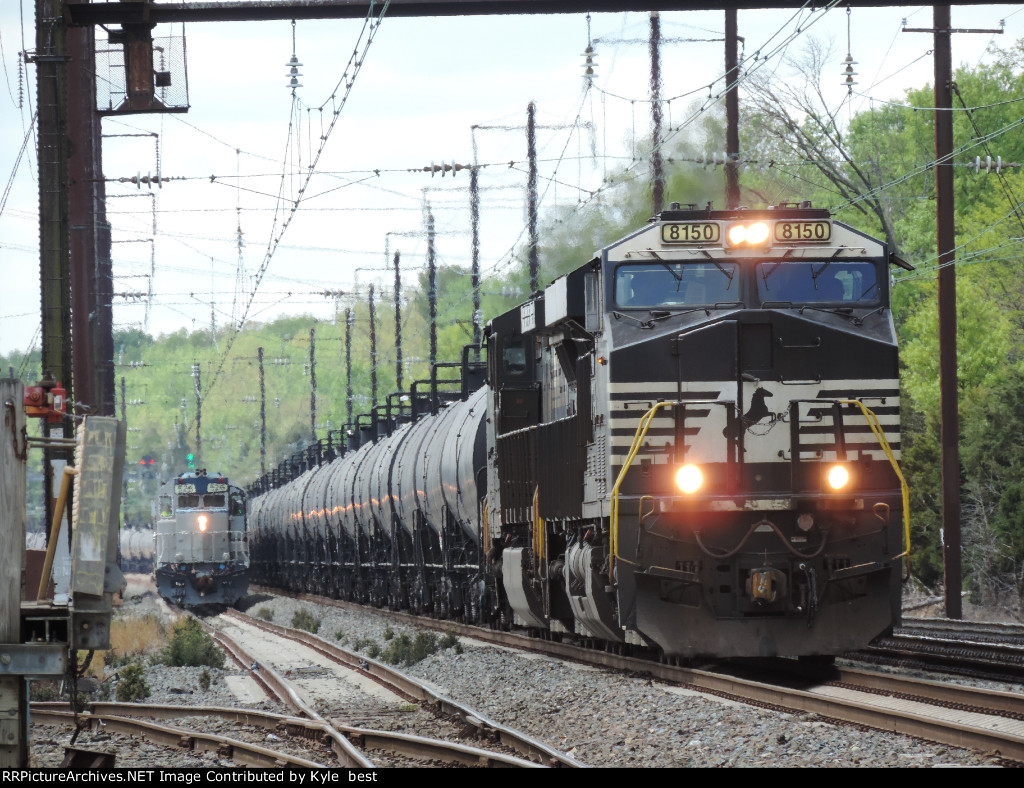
(202, 551)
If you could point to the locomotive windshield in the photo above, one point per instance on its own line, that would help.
(209, 501)
(821, 281)
(675, 284)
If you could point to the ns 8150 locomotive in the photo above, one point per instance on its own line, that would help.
(689, 444)
(693, 440)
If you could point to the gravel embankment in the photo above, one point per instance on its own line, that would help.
(600, 718)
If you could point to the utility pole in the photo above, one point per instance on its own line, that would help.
(398, 324)
(474, 220)
(946, 242)
(263, 416)
(732, 112)
(531, 196)
(373, 351)
(349, 319)
(658, 175)
(312, 383)
(432, 299)
(199, 413)
(124, 418)
(945, 232)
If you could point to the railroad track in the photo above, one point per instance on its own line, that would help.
(385, 702)
(983, 650)
(123, 718)
(982, 720)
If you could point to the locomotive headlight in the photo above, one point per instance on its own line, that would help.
(838, 477)
(753, 234)
(689, 479)
(202, 520)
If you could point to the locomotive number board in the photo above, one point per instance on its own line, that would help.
(803, 231)
(691, 233)
(214, 487)
(184, 489)
(783, 232)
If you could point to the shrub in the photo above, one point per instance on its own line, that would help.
(44, 690)
(132, 685)
(340, 636)
(303, 619)
(368, 645)
(204, 680)
(449, 640)
(191, 646)
(265, 613)
(132, 638)
(404, 650)
(389, 633)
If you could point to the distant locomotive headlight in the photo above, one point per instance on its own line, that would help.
(753, 234)
(202, 520)
(838, 477)
(689, 478)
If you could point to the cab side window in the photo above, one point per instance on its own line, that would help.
(514, 356)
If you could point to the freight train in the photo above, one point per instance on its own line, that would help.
(202, 549)
(689, 445)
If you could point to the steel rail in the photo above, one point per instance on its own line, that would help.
(408, 687)
(245, 661)
(963, 630)
(423, 747)
(874, 714)
(367, 738)
(997, 702)
(240, 752)
(345, 752)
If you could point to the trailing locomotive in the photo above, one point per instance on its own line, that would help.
(688, 444)
(202, 551)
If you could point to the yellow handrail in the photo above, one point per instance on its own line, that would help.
(539, 541)
(638, 439)
(876, 428)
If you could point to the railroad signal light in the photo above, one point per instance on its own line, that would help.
(191, 460)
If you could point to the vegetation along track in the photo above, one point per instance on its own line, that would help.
(983, 720)
(391, 718)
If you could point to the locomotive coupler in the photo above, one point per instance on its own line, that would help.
(766, 585)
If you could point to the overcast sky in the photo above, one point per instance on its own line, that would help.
(423, 85)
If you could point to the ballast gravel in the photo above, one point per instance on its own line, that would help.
(601, 718)
(608, 719)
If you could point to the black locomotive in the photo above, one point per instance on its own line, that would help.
(688, 444)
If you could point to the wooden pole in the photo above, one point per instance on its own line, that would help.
(946, 242)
